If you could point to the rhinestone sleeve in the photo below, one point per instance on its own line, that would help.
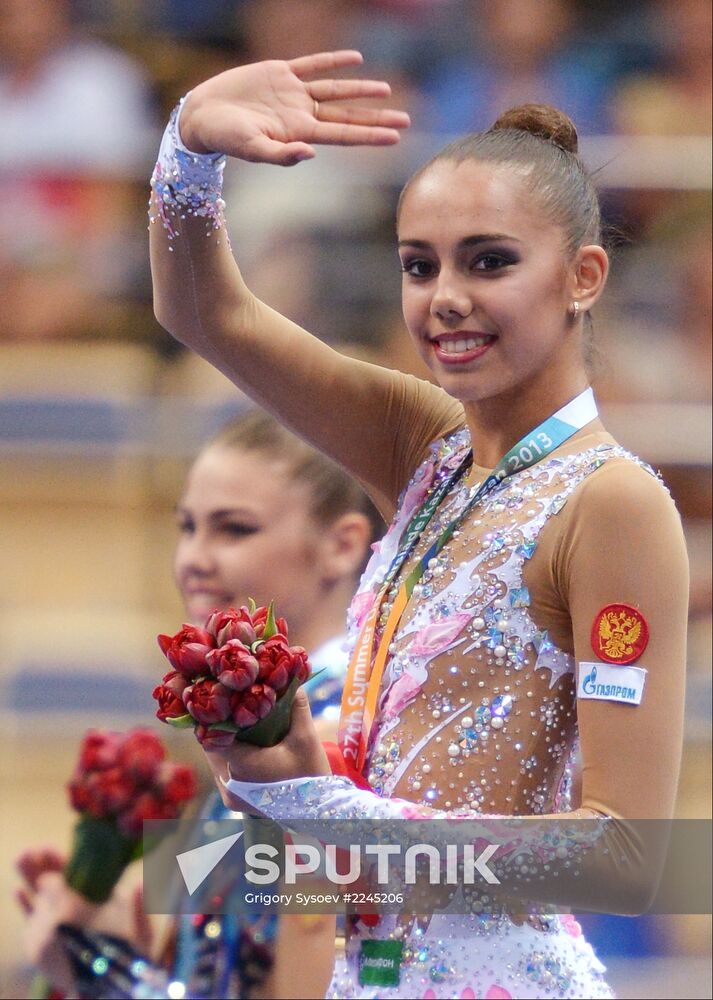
(326, 808)
(186, 184)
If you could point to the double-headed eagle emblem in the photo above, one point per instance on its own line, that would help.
(620, 634)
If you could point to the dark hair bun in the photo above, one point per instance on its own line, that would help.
(543, 121)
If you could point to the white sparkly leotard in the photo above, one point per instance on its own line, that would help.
(478, 713)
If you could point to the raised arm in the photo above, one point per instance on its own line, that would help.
(374, 421)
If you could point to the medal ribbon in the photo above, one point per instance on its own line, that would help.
(363, 682)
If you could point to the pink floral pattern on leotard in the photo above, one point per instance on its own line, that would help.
(474, 693)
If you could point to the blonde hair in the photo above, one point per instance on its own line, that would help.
(333, 490)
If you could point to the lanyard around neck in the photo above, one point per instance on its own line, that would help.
(363, 682)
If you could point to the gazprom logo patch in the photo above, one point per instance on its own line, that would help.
(589, 685)
(608, 682)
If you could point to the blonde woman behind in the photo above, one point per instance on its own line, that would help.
(262, 515)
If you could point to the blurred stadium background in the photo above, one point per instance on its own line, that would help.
(100, 411)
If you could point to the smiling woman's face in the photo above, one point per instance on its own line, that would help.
(487, 283)
(246, 530)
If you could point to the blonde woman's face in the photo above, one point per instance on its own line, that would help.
(246, 530)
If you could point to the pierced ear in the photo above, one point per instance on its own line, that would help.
(590, 276)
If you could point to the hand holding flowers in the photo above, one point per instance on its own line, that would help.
(235, 682)
(299, 754)
(120, 780)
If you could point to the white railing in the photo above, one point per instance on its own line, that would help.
(172, 426)
(665, 433)
(677, 163)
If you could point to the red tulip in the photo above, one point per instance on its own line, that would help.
(169, 696)
(235, 625)
(280, 663)
(234, 665)
(207, 701)
(259, 620)
(111, 790)
(186, 650)
(141, 753)
(148, 805)
(214, 739)
(252, 705)
(177, 783)
(99, 750)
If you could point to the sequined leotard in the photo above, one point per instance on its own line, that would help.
(477, 712)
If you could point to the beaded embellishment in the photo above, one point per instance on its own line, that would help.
(186, 184)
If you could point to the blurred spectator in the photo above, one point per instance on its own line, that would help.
(277, 30)
(410, 37)
(317, 242)
(672, 98)
(68, 104)
(392, 41)
(660, 351)
(198, 23)
(78, 135)
(675, 100)
(521, 51)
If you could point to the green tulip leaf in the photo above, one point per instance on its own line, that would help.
(181, 721)
(270, 625)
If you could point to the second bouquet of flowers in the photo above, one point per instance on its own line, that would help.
(234, 679)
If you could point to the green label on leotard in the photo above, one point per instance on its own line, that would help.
(380, 963)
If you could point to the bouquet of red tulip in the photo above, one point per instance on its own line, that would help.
(234, 679)
(120, 780)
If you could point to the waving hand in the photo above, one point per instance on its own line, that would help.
(277, 111)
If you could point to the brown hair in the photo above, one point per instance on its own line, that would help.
(333, 491)
(542, 142)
